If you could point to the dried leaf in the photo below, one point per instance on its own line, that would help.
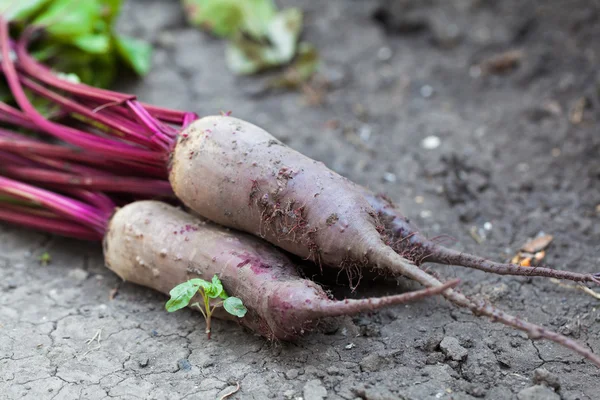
(502, 63)
(537, 244)
(525, 262)
(539, 256)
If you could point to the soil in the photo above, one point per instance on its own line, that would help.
(478, 117)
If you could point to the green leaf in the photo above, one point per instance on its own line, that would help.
(110, 9)
(95, 44)
(45, 259)
(182, 294)
(258, 15)
(67, 19)
(216, 288)
(234, 306)
(221, 17)
(21, 10)
(226, 17)
(135, 53)
(246, 55)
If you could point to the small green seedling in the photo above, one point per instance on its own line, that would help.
(182, 294)
(45, 259)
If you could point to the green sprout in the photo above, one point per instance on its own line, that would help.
(45, 259)
(182, 294)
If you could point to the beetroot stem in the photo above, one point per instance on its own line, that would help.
(72, 209)
(16, 215)
(95, 182)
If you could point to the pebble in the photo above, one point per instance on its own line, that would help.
(426, 91)
(143, 362)
(314, 390)
(389, 177)
(452, 349)
(542, 376)
(292, 374)
(537, 392)
(78, 274)
(431, 142)
(384, 53)
(184, 365)
(425, 214)
(372, 363)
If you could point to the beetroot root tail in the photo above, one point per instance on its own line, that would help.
(391, 261)
(355, 306)
(452, 257)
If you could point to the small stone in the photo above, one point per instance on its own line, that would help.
(314, 390)
(389, 177)
(143, 362)
(292, 374)
(78, 274)
(542, 376)
(184, 365)
(452, 349)
(349, 346)
(425, 214)
(431, 142)
(426, 91)
(372, 363)
(537, 392)
(289, 394)
(384, 53)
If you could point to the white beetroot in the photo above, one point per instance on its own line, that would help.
(259, 185)
(159, 246)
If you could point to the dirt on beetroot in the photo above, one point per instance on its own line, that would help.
(478, 118)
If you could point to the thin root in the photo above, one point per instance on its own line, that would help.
(479, 308)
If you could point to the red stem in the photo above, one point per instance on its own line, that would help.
(21, 216)
(75, 210)
(98, 182)
(76, 137)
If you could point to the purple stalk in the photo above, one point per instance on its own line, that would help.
(126, 131)
(26, 216)
(72, 209)
(96, 182)
(76, 137)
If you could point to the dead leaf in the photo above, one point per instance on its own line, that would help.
(502, 63)
(537, 244)
(525, 262)
(539, 256)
